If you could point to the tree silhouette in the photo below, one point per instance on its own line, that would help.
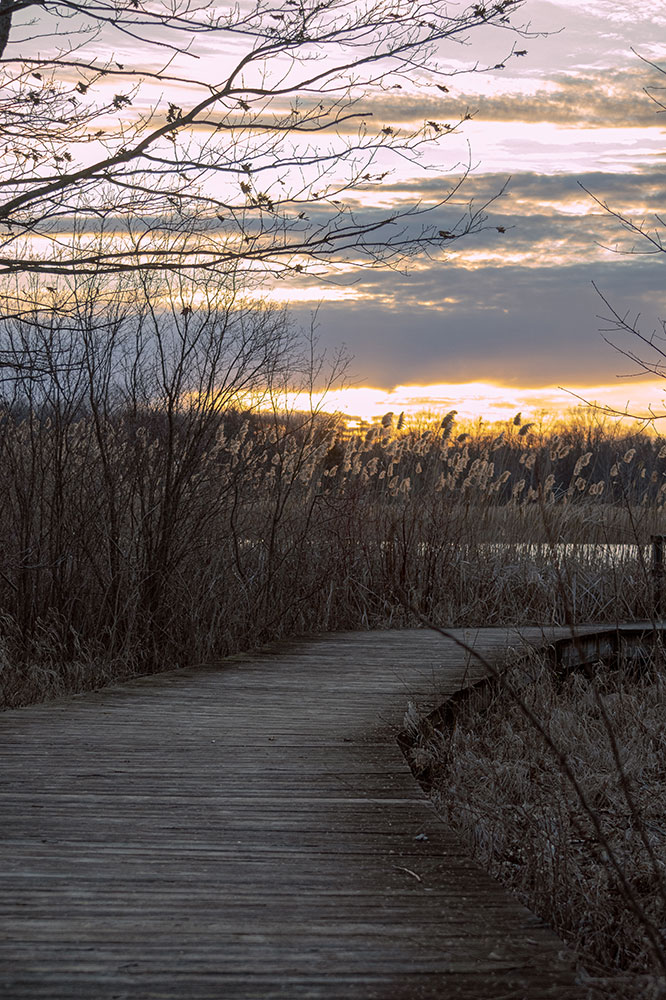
(241, 137)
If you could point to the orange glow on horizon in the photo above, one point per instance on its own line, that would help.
(488, 401)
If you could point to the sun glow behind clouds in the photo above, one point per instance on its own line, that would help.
(486, 400)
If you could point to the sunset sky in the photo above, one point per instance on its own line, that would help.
(519, 309)
(507, 317)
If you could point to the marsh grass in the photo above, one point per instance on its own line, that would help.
(152, 520)
(496, 781)
(140, 535)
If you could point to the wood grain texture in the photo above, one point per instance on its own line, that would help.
(252, 831)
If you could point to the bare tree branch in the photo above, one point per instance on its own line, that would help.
(90, 145)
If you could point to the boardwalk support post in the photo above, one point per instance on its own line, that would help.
(658, 575)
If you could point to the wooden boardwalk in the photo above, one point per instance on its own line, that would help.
(253, 831)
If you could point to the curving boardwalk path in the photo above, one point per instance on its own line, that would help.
(253, 831)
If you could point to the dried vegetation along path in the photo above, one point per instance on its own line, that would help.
(252, 832)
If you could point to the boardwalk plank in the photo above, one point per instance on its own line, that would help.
(249, 831)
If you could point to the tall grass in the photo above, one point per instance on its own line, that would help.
(588, 855)
(151, 519)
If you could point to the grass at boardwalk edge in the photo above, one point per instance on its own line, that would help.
(591, 864)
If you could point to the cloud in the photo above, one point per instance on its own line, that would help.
(584, 98)
(628, 12)
(500, 324)
(580, 98)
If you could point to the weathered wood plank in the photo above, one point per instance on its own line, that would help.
(250, 831)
